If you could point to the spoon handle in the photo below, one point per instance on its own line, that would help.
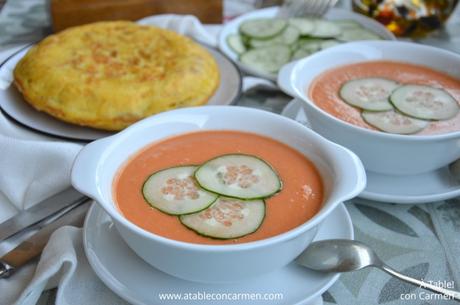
(453, 295)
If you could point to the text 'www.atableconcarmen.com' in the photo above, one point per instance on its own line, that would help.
(206, 296)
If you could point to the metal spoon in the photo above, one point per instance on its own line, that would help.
(342, 255)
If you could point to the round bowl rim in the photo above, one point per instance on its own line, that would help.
(397, 137)
(311, 223)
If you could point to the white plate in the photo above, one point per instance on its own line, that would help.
(333, 14)
(13, 104)
(437, 185)
(138, 283)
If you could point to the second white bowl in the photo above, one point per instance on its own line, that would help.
(380, 152)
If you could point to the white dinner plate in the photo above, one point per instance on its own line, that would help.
(137, 282)
(437, 185)
(13, 104)
(333, 14)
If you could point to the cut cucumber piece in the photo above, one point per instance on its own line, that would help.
(326, 29)
(239, 176)
(368, 93)
(245, 39)
(236, 43)
(262, 28)
(346, 24)
(311, 45)
(357, 34)
(300, 53)
(394, 122)
(329, 43)
(227, 218)
(424, 102)
(304, 25)
(268, 59)
(174, 191)
(287, 37)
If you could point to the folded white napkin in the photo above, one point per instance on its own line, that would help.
(63, 263)
(34, 167)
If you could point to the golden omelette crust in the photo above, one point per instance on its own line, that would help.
(108, 75)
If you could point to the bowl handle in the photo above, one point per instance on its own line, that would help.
(353, 181)
(285, 79)
(84, 170)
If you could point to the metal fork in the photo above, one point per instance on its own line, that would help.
(303, 8)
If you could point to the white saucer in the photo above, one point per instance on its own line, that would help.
(138, 283)
(13, 104)
(428, 187)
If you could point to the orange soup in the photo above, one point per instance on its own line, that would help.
(324, 91)
(300, 198)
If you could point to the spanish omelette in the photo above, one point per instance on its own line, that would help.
(108, 75)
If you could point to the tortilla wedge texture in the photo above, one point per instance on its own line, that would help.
(108, 75)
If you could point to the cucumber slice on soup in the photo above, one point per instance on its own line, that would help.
(227, 218)
(239, 176)
(174, 191)
(425, 102)
(394, 122)
(368, 93)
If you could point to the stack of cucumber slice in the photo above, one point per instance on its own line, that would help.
(398, 108)
(222, 198)
(266, 44)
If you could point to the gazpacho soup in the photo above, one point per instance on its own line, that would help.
(390, 96)
(218, 187)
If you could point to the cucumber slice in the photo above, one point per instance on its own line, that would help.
(368, 93)
(346, 24)
(174, 191)
(262, 28)
(239, 176)
(245, 39)
(304, 25)
(329, 43)
(236, 43)
(394, 122)
(326, 29)
(269, 59)
(300, 53)
(227, 218)
(424, 102)
(357, 34)
(311, 45)
(287, 37)
(295, 46)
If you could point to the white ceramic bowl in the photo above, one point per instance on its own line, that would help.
(333, 14)
(380, 152)
(94, 169)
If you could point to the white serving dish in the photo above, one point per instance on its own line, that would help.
(13, 104)
(333, 14)
(383, 153)
(95, 167)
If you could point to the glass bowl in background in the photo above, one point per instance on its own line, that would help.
(407, 18)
